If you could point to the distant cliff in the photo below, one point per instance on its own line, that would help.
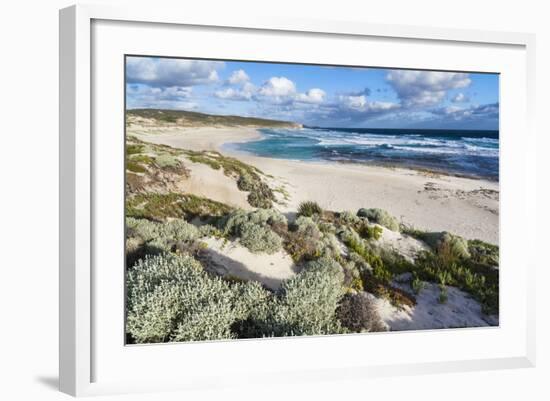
(174, 118)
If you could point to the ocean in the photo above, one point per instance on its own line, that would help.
(459, 152)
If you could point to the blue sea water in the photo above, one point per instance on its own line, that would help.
(463, 152)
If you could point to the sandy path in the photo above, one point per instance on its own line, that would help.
(464, 206)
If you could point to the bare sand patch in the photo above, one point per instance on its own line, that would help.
(213, 184)
(228, 258)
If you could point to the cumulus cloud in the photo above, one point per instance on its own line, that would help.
(164, 72)
(246, 92)
(145, 96)
(278, 87)
(141, 96)
(364, 105)
(238, 77)
(348, 110)
(425, 88)
(460, 98)
(314, 95)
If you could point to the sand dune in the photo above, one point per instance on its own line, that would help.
(464, 206)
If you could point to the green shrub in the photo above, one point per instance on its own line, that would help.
(381, 217)
(369, 231)
(484, 253)
(352, 277)
(358, 246)
(133, 149)
(479, 281)
(208, 230)
(247, 182)
(135, 167)
(259, 238)
(142, 159)
(349, 235)
(262, 196)
(357, 313)
(172, 298)
(178, 230)
(447, 244)
(262, 217)
(174, 230)
(348, 218)
(160, 207)
(309, 209)
(308, 301)
(302, 246)
(167, 161)
(328, 246)
(306, 225)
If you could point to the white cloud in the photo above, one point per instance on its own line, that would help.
(460, 98)
(141, 96)
(314, 95)
(245, 93)
(238, 77)
(278, 87)
(163, 72)
(364, 105)
(425, 88)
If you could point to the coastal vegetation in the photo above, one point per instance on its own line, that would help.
(183, 118)
(342, 263)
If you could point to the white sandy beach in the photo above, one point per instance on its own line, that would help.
(464, 206)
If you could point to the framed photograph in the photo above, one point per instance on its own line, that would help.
(274, 199)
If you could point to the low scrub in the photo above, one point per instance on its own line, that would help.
(307, 303)
(309, 209)
(479, 281)
(448, 245)
(160, 207)
(171, 298)
(381, 217)
(263, 217)
(255, 229)
(370, 231)
(483, 253)
(358, 314)
(259, 239)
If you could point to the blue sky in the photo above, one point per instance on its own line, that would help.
(316, 95)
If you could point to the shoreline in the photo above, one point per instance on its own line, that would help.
(426, 200)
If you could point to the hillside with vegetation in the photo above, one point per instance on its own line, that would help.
(181, 118)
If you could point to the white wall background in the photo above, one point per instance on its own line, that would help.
(29, 185)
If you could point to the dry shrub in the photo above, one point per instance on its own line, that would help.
(357, 312)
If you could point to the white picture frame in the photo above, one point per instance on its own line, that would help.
(80, 340)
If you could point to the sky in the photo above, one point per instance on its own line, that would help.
(314, 95)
